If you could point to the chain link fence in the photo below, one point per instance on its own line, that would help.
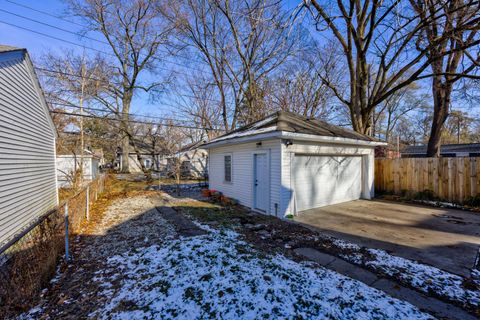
(29, 260)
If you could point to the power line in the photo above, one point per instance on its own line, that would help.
(98, 50)
(52, 26)
(106, 82)
(90, 38)
(66, 20)
(44, 12)
(115, 113)
(129, 121)
(71, 75)
(53, 37)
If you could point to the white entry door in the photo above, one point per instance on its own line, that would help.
(260, 181)
(324, 180)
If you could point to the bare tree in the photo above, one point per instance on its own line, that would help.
(300, 89)
(71, 81)
(457, 22)
(394, 108)
(379, 42)
(135, 31)
(241, 42)
(201, 105)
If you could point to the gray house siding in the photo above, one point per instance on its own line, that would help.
(28, 186)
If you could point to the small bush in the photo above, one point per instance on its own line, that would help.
(426, 194)
(473, 201)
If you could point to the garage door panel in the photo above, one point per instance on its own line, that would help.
(324, 180)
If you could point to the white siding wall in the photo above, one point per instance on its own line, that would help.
(241, 187)
(301, 147)
(27, 148)
(66, 167)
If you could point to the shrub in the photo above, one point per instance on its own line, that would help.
(425, 195)
(473, 201)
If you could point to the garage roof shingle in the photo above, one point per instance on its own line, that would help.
(292, 122)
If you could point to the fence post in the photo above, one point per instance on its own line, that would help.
(67, 253)
(88, 203)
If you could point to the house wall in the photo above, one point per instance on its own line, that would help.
(241, 187)
(197, 160)
(314, 148)
(66, 167)
(28, 184)
(134, 164)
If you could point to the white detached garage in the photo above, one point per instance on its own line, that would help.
(286, 163)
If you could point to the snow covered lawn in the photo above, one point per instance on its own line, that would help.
(218, 275)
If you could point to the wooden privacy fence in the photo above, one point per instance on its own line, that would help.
(452, 179)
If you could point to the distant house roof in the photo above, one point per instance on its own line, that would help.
(192, 146)
(444, 149)
(294, 123)
(71, 128)
(144, 146)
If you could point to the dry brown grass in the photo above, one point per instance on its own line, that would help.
(65, 193)
(114, 189)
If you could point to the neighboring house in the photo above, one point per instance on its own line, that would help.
(287, 163)
(28, 183)
(446, 150)
(193, 162)
(148, 155)
(68, 164)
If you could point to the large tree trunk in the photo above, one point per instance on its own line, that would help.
(441, 103)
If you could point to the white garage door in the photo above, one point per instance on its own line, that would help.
(324, 180)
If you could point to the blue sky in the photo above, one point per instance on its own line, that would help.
(38, 45)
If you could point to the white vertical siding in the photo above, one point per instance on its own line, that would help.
(27, 148)
(302, 147)
(241, 186)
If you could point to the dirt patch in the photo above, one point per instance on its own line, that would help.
(184, 227)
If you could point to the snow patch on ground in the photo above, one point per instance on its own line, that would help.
(423, 277)
(220, 276)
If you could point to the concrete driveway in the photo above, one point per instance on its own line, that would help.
(445, 238)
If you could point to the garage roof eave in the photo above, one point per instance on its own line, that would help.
(243, 139)
(326, 139)
(293, 136)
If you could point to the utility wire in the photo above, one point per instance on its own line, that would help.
(115, 113)
(44, 12)
(45, 70)
(78, 24)
(81, 35)
(52, 26)
(130, 121)
(94, 49)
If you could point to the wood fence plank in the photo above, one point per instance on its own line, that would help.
(460, 166)
(466, 178)
(452, 179)
(473, 176)
(396, 176)
(434, 175)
